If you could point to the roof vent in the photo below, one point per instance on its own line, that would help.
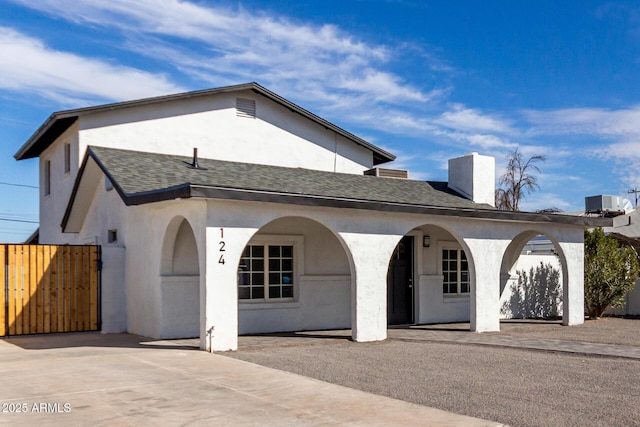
(194, 163)
(388, 173)
(246, 108)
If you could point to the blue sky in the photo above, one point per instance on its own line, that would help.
(426, 80)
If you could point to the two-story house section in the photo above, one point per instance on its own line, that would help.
(281, 221)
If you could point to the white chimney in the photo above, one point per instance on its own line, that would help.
(473, 176)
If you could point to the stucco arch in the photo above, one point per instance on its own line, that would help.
(513, 252)
(179, 281)
(321, 279)
(430, 304)
(179, 253)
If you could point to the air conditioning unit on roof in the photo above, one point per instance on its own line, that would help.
(602, 203)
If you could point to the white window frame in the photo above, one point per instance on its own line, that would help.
(67, 158)
(298, 262)
(46, 178)
(442, 246)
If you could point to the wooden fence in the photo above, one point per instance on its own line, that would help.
(46, 289)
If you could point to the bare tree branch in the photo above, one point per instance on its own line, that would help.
(518, 181)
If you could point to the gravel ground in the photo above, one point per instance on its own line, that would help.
(516, 386)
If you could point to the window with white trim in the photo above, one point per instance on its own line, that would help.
(67, 158)
(455, 272)
(267, 271)
(47, 178)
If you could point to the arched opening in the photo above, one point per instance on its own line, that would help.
(429, 278)
(180, 282)
(293, 275)
(532, 277)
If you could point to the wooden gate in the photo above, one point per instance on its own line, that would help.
(46, 288)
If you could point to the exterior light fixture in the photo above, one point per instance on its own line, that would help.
(426, 241)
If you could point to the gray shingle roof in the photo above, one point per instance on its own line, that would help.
(148, 177)
(137, 174)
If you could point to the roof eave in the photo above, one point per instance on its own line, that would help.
(212, 192)
(60, 121)
(181, 191)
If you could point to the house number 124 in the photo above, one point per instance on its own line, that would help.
(222, 250)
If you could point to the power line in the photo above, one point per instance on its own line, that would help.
(18, 185)
(19, 220)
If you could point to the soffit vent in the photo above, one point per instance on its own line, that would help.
(388, 173)
(246, 108)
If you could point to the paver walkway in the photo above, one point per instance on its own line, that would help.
(504, 340)
(459, 334)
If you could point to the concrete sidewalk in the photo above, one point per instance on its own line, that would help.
(121, 379)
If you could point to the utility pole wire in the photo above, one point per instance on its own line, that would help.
(18, 185)
(19, 220)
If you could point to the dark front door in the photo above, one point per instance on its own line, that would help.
(400, 284)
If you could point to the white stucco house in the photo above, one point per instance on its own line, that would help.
(284, 222)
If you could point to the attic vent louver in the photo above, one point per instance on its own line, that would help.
(388, 173)
(246, 108)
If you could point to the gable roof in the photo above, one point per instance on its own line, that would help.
(141, 178)
(60, 121)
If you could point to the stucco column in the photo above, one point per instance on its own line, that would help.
(486, 259)
(573, 283)
(370, 255)
(224, 248)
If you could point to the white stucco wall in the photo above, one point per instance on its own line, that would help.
(277, 136)
(149, 302)
(114, 295)
(525, 263)
(433, 306)
(52, 206)
(323, 292)
(473, 176)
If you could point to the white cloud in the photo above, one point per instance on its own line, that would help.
(27, 65)
(469, 119)
(586, 121)
(542, 200)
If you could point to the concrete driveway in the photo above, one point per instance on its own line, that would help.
(125, 380)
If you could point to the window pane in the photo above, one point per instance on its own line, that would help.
(274, 251)
(274, 279)
(257, 292)
(257, 265)
(257, 251)
(257, 279)
(287, 265)
(464, 288)
(287, 251)
(287, 279)
(243, 278)
(244, 292)
(247, 252)
(274, 265)
(274, 291)
(287, 292)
